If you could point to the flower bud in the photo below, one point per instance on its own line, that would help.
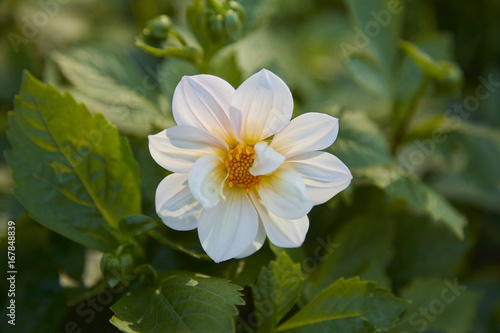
(116, 268)
(157, 30)
(216, 23)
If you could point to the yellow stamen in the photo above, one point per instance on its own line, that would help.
(238, 163)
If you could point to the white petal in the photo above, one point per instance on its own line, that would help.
(284, 194)
(261, 107)
(323, 173)
(256, 244)
(308, 132)
(229, 228)
(266, 160)
(206, 178)
(282, 232)
(203, 101)
(177, 148)
(175, 205)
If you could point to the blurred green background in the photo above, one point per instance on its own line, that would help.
(301, 41)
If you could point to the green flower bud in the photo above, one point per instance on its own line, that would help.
(233, 24)
(157, 29)
(216, 23)
(116, 268)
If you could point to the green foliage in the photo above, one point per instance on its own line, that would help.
(438, 305)
(414, 84)
(277, 289)
(108, 81)
(85, 170)
(348, 306)
(360, 144)
(179, 302)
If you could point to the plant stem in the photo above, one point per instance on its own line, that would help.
(401, 130)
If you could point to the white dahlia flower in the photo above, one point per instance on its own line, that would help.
(231, 178)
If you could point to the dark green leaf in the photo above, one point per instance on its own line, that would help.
(179, 302)
(360, 143)
(417, 194)
(363, 247)
(438, 305)
(424, 249)
(348, 306)
(135, 225)
(75, 174)
(277, 290)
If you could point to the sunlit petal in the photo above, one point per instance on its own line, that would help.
(308, 132)
(261, 107)
(203, 101)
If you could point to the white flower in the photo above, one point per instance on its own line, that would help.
(228, 180)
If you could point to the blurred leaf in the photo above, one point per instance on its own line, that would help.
(417, 194)
(438, 305)
(348, 306)
(179, 302)
(178, 245)
(461, 145)
(378, 26)
(360, 143)
(108, 81)
(134, 225)
(170, 74)
(362, 247)
(226, 66)
(69, 256)
(277, 290)
(424, 249)
(85, 170)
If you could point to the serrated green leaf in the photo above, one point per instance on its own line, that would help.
(277, 290)
(362, 247)
(417, 194)
(74, 172)
(108, 81)
(360, 143)
(438, 305)
(348, 306)
(179, 302)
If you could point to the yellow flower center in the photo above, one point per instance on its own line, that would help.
(238, 162)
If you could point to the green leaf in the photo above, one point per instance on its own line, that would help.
(438, 305)
(364, 247)
(373, 48)
(277, 290)
(360, 143)
(348, 306)
(108, 81)
(135, 225)
(424, 249)
(417, 194)
(226, 66)
(179, 302)
(74, 172)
